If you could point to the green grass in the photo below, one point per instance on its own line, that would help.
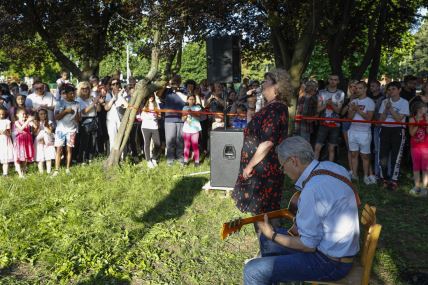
(157, 226)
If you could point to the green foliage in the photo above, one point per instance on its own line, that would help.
(194, 63)
(397, 62)
(419, 64)
(31, 60)
(318, 67)
(256, 68)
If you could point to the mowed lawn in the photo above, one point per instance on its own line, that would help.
(142, 226)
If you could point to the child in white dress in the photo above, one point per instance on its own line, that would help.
(44, 142)
(6, 145)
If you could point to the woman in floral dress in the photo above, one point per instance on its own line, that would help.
(260, 182)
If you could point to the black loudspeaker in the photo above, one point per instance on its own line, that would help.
(224, 59)
(225, 154)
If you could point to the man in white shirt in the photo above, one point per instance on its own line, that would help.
(327, 223)
(41, 98)
(392, 136)
(359, 134)
(330, 102)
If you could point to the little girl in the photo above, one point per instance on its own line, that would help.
(419, 148)
(6, 145)
(191, 129)
(44, 142)
(19, 103)
(23, 145)
(150, 130)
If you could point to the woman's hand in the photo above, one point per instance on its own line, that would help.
(247, 172)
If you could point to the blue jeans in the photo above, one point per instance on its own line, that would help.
(281, 264)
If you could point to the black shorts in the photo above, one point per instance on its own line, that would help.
(331, 134)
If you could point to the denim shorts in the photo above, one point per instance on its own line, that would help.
(65, 138)
(329, 134)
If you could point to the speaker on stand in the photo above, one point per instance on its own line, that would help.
(224, 59)
(224, 66)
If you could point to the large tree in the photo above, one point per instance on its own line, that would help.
(357, 32)
(78, 33)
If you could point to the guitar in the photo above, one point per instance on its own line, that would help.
(289, 213)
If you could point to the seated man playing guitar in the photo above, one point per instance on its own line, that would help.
(326, 220)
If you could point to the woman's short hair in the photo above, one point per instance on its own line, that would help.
(82, 84)
(281, 78)
(295, 146)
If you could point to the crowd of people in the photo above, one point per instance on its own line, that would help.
(381, 144)
(74, 124)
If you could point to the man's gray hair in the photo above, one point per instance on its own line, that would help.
(295, 146)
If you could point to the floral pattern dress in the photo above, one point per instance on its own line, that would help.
(263, 191)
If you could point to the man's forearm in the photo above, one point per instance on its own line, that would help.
(292, 242)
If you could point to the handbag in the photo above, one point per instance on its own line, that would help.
(90, 124)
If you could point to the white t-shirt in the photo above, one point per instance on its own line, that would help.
(35, 101)
(5, 125)
(112, 114)
(149, 120)
(67, 123)
(401, 106)
(366, 105)
(85, 104)
(337, 97)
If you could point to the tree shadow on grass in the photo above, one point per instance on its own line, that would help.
(174, 205)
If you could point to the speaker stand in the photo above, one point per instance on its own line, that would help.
(227, 190)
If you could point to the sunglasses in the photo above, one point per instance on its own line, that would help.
(85, 88)
(115, 83)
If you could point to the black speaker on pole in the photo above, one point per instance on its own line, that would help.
(224, 59)
(225, 154)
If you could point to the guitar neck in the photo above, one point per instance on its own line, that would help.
(284, 213)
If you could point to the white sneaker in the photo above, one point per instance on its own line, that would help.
(55, 173)
(150, 164)
(367, 180)
(373, 179)
(154, 162)
(415, 191)
(67, 171)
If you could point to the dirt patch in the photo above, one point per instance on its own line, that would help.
(21, 271)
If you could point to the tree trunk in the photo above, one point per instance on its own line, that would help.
(281, 56)
(380, 32)
(336, 43)
(358, 72)
(142, 89)
(303, 49)
(168, 66)
(89, 68)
